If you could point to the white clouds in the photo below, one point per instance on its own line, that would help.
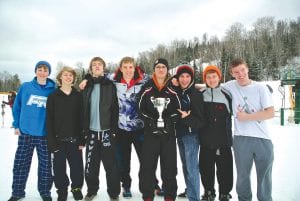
(78, 30)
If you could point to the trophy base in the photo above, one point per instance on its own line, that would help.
(160, 124)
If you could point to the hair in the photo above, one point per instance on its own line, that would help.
(97, 59)
(65, 69)
(127, 60)
(43, 66)
(236, 62)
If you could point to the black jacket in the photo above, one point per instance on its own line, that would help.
(64, 118)
(109, 109)
(217, 106)
(150, 114)
(196, 119)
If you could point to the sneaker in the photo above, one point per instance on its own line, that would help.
(62, 195)
(13, 198)
(183, 194)
(90, 196)
(169, 199)
(77, 195)
(127, 193)
(225, 197)
(148, 199)
(44, 198)
(208, 196)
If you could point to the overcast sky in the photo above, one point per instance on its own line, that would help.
(77, 30)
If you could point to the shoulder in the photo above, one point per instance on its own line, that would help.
(225, 91)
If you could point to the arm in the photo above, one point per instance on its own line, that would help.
(265, 114)
(50, 125)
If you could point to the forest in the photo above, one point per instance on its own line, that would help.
(269, 47)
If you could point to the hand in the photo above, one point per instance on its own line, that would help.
(82, 84)
(184, 113)
(241, 115)
(175, 82)
(80, 147)
(17, 131)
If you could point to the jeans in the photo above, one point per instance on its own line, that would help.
(188, 149)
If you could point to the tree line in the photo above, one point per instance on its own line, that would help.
(268, 47)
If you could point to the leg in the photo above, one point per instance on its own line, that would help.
(243, 154)
(124, 143)
(45, 178)
(92, 165)
(22, 164)
(207, 168)
(61, 179)
(263, 159)
(108, 157)
(225, 171)
(192, 166)
(76, 165)
(148, 166)
(168, 161)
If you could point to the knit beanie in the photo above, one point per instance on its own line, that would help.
(211, 68)
(161, 61)
(45, 63)
(184, 69)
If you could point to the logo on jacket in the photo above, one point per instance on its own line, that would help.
(39, 101)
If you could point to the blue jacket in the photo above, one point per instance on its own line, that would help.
(29, 110)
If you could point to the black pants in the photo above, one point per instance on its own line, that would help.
(222, 159)
(124, 141)
(101, 147)
(155, 146)
(68, 152)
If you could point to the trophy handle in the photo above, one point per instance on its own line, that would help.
(167, 102)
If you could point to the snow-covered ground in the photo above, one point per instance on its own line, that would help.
(286, 174)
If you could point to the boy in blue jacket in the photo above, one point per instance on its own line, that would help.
(29, 114)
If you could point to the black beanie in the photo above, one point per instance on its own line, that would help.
(161, 61)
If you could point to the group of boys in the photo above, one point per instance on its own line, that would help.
(111, 121)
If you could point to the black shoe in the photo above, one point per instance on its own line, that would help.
(208, 196)
(225, 197)
(183, 194)
(13, 198)
(44, 198)
(90, 196)
(77, 194)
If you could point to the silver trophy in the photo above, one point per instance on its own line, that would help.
(160, 104)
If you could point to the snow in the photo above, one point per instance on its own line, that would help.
(286, 174)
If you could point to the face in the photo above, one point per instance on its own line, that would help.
(161, 71)
(67, 78)
(240, 73)
(97, 68)
(127, 70)
(42, 74)
(184, 80)
(212, 79)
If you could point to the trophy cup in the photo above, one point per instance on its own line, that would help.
(160, 104)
